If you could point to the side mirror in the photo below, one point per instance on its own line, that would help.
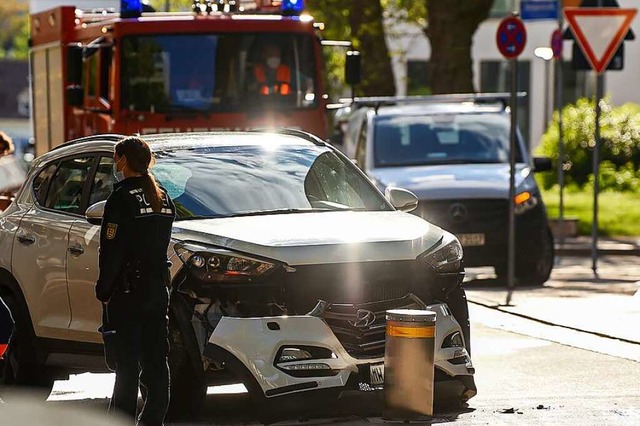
(74, 63)
(95, 212)
(75, 95)
(73, 89)
(353, 68)
(401, 199)
(542, 164)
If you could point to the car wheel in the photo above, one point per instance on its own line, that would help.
(535, 270)
(187, 385)
(21, 369)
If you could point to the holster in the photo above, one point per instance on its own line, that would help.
(132, 276)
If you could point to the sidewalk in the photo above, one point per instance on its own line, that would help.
(607, 305)
(581, 246)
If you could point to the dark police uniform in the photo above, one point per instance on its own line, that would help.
(134, 280)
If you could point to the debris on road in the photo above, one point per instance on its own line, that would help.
(510, 411)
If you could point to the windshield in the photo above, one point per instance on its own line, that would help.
(442, 139)
(218, 72)
(224, 181)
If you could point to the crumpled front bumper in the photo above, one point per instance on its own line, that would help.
(255, 345)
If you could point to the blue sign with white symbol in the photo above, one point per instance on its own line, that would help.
(511, 37)
(534, 10)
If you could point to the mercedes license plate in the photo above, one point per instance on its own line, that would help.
(471, 239)
(376, 374)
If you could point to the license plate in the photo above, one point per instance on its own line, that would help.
(376, 374)
(471, 239)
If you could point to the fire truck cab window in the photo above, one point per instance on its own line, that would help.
(228, 72)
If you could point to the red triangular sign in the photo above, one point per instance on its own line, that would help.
(599, 31)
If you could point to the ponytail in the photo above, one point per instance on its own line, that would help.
(152, 192)
(140, 160)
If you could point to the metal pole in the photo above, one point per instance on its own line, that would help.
(512, 180)
(547, 77)
(559, 103)
(596, 173)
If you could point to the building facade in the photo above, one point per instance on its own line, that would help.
(411, 52)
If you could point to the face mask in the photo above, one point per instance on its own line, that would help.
(118, 175)
(273, 62)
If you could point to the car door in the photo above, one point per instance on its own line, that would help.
(82, 260)
(40, 247)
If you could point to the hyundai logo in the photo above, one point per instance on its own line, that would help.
(458, 212)
(364, 318)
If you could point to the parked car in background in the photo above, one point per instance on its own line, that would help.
(453, 153)
(285, 260)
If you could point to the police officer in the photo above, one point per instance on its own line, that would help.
(133, 283)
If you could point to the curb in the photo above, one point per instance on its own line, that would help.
(586, 252)
(545, 322)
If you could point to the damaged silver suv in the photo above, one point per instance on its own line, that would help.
(285, 258)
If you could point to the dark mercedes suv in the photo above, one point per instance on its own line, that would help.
(454, 155)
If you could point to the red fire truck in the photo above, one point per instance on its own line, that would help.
(106, 71)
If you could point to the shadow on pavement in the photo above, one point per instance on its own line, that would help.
(237, 409)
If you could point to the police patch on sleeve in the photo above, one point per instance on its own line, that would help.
(112, 228)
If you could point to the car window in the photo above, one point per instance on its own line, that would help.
(330, 180)
(442, 139)
(244, 179)
(41, 183)
(103, 181)
(65, 192)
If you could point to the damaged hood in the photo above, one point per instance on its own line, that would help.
(317, 238)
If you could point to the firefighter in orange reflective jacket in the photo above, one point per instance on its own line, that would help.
(272, 77)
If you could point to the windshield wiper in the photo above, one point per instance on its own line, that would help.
(280, 211)
(183, 109)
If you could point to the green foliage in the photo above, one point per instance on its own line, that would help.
(618, 212)
(14, 29)
(619, 151)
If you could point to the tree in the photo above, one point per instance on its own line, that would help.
(14, 29)
(451, 25)
(361, 22)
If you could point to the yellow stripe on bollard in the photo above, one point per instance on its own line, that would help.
(410, 332)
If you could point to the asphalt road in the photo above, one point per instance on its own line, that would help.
(529, 371)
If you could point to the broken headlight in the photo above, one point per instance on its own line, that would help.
(219, 265)
(447, 256)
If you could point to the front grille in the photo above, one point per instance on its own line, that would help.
(354, 283)
(361, 328)
(465, 215)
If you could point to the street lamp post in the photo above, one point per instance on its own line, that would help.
(546, 54)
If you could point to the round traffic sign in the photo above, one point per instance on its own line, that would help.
(556, 43)
(511, 37)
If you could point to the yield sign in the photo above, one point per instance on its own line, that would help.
(599, 32)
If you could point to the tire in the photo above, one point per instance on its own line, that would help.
(532, 269)
(535, 270)
(188, 388)
(21, 369)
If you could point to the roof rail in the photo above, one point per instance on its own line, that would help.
(111, 137)
(377, 101)
(289, 131)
